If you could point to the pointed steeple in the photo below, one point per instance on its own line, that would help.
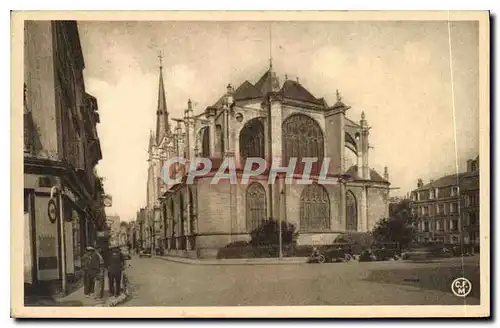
(162, 125)
(274, 83)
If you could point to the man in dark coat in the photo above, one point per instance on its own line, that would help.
(91, 270)
(88, 284)
(115, 267)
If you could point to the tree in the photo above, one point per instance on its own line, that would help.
(267, 234)
(398, 228)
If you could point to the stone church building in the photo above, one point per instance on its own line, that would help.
(270, 120)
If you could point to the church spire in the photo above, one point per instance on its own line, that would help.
(273, 79)
(162, 125)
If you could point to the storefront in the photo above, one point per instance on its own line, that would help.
(57, 227)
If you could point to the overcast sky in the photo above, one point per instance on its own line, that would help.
(397, 72)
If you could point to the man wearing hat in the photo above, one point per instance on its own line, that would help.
(115, 269)
(89, 272)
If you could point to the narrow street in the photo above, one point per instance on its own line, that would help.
(158, 282)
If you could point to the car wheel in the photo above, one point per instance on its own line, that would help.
(321, 259)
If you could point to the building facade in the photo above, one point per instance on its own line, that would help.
(113, 223)
(447, 209)
(469, 203)
(61, 149)
(274, 121)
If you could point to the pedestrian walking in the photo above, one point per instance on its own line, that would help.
(93, 269)
(115, 269)
(99, 283)
(125, 280)
(88, 283)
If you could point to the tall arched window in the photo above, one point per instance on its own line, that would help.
(252, 139)
(314, 208)
(219, 142)
(302, 137)
(255, 205)
(205, 141)
(351, 214)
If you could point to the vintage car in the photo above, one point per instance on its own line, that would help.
(386, 252)
(381, 252)
(145, 252)
(332, 253)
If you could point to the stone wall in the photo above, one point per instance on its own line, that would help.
(378, 206)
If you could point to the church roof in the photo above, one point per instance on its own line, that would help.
(374, 176)
(247, 91)
(294, 90)
(290, 89)
(264, 83)
(162, 124)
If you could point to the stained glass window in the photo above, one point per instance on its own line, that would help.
(255, 205)
(252, 139)
(314, 208)
(219, 145)
(351, 212)
(205, 142)
(302, 137)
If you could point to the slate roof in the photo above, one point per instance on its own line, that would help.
(290, 89)
(264, 83)
(247, 91)
(469, 181)
(446, 181)
(374, 176)
(294, 90)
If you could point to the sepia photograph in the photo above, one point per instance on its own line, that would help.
(232, 164)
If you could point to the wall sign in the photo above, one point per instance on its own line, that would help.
(52, 211)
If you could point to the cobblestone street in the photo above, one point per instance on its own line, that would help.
(159, 282)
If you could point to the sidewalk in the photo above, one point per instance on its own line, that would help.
(79, 297)
(254, 261)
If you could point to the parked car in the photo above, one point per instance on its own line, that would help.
(333, 253)
(145, 252)
(386, 251)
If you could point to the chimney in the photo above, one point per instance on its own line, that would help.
(386, 173)
(420, 183)
(469, 165)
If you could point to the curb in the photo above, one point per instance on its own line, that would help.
(231, 262)
(117, 301)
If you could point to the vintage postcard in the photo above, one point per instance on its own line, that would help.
(250, 164)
